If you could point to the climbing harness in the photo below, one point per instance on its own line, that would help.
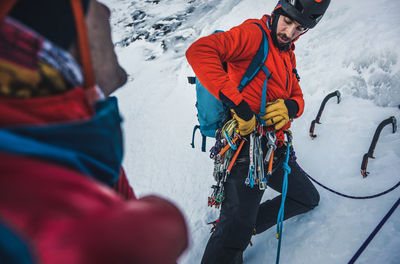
(370, 154)
(321, 109)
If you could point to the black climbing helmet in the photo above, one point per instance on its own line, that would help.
(307, 12)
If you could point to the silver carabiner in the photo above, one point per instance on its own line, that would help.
(271, 138)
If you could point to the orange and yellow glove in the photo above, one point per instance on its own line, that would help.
(245, 127)
(276, 114)
(245, 118)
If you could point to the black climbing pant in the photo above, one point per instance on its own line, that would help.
(242, 215)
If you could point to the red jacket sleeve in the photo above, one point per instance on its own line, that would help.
(296, 93)
(70, 218)
(149, 230)
(207, 54)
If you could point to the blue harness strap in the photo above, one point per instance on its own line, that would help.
(258, 61)
(257, 64)
(264, 91)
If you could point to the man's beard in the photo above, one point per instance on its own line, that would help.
(273, 23)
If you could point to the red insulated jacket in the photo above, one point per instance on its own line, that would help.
(66, 217)
(237, 47)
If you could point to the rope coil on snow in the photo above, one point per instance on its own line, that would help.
(355, 197)
(293, 159)
(372, 235)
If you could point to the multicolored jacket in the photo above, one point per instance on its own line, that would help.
(64, 197)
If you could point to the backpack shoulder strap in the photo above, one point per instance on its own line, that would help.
(258, 61)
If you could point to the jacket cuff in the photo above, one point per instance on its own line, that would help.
(292, 107)
(243, 111)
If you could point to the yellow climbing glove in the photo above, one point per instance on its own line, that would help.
(245, 127)
(276, 114)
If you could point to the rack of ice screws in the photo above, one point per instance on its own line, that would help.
(224, 153)
(256, 174)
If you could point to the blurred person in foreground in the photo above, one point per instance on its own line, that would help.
(64, 197)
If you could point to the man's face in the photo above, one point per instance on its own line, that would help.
(287, 30)
(108, 73)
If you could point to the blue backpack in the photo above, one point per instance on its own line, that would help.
(211, 112)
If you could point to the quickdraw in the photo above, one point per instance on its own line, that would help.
(228, 140)
(250, 179)
(261, 179)
(256, 174)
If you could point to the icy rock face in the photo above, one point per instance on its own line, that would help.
(155, 21)
(375, 77)
(169, 25)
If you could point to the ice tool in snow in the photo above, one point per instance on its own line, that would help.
(321, 109)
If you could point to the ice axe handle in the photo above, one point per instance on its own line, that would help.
(312, 127)
(370, 154)
(326, 99)
(364, 164)
(321, 109)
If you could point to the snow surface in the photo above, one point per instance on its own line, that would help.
(354, 49)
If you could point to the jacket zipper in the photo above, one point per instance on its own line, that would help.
(287, 75)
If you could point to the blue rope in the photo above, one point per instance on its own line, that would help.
(279, 224)
(371, 236)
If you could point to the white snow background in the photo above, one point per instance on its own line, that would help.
(354, 49)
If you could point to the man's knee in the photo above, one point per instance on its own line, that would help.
(309, 195)
(313, 198)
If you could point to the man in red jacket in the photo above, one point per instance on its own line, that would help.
(241, 214)
(64, 197)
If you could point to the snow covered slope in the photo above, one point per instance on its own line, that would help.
(354, 50)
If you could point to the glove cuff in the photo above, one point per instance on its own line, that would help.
(292, 107)
(243, 111)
